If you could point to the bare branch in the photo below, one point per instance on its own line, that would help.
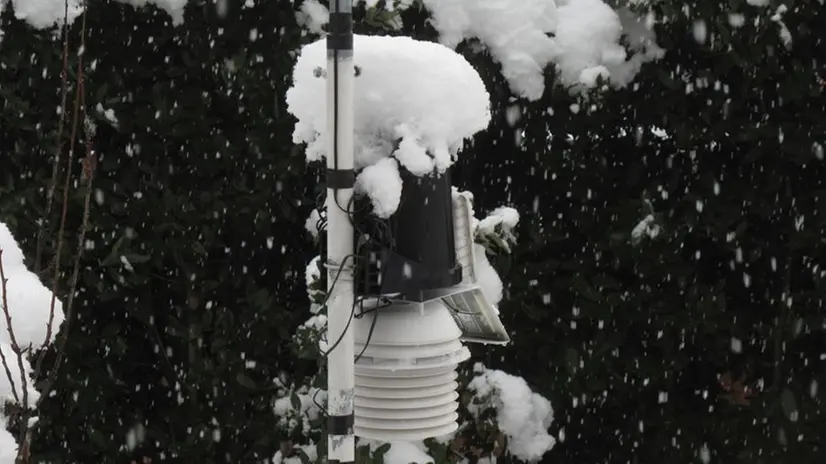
(4, 290)
(13, 340)
(64, 86)
(88, 163)
(66, 184)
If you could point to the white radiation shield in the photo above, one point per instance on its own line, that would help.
(406, 375)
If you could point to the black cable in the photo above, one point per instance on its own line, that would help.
(457, 310)
(335, 126)
(317, 404)
(369, 337)
(327, 298)
(326, 353)
(383, 231)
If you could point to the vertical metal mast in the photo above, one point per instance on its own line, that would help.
(340, 180)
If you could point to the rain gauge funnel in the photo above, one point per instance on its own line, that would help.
(405, 378)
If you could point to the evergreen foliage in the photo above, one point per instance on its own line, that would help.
(187, 291)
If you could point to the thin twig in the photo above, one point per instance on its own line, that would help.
(13, 340)
(67, 182)
(24, 455)
(89, 165)
(4, 290)
(64, 334)
(64, 86)
(9, 376)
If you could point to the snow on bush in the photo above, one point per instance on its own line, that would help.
(298, 410)
(497, 229)
(486, 276)
(407, 453)
(414, 101)
(397, 452)
(315, 291)
(493, 235)
(309, 452)
(522, 415)
(647, 228)
(515, 33)
(580, 38)
(313, 16)
(6, 392)
(44, 14)
(29, 304)
(175, 8)
(29, 300)
(8, 447)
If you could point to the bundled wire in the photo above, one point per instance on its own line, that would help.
(379, 237)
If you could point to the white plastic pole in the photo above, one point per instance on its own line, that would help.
(340, 179)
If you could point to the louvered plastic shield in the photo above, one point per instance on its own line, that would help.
(406, 375)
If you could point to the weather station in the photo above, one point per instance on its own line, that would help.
(403, 297)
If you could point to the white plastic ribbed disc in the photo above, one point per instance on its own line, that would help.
(411, 362)
(406, 425)
(422, 351)
(413, 403)
(405, 435)
(404, 373)
(406, 414)
(403, 393)
(408, 324)
(405, 382)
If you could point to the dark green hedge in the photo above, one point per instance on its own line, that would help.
(200, 188)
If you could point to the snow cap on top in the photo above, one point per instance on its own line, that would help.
(415, 101)
(408, 92)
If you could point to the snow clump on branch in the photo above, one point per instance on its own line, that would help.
(580, 39)
(46, 14)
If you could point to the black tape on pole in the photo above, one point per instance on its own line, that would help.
(340, 178)
(340, 425)
(340, 31)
